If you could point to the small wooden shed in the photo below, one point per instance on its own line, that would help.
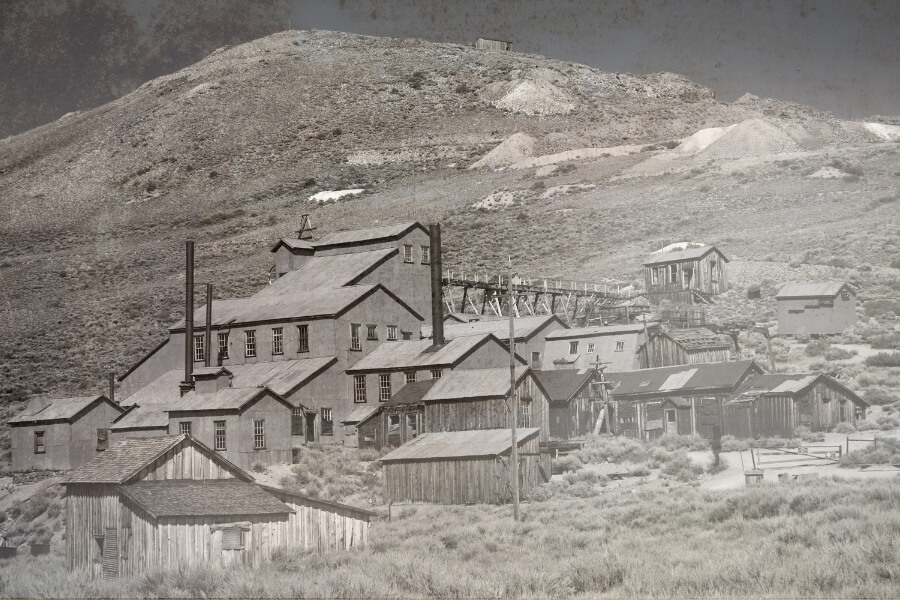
(815, 308)
(171, 501)
(464, 467)
(688, 347)
(685, 274)
(576, 404)
(397, 420)
(489, 44)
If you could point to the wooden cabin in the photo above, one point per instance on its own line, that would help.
(776, 404)
(61, 433)
(488, 44)
(397, 421)
(576, 403)
(464, 467)
(687, 347)
(685, 399)
(685, 275)
(617, 347)
(815, 308)
(171, 501)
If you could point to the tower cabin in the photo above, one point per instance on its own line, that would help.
(685, 273)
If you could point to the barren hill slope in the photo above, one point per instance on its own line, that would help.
(229, 150)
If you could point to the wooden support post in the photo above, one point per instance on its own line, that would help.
(484, 295)
(514, 453)
(462, 306)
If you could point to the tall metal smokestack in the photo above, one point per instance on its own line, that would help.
(437, 309)
(208, 351)
(188, 383)
(112, 386)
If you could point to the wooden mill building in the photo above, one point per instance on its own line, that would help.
(688, 347)
(61, 433)
(815, 308)
(464, 467)
(776, 404)
(685, 275)
(616, 347)
(171, 501)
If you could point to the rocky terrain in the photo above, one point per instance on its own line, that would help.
(571, 171)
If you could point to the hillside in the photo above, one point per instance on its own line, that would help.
(578, 173)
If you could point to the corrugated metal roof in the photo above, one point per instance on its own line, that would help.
(412, 393)
(58, 409)
(561, 384)
(826, 289)
(415, 354)
(294, 244)
(333, 271)
(459, 444)
(788, 384)
(525, 327)
(162, 390)
(475, 383)
(580, 332)
(123, 459)
(224, 399)
(697, 338)
(209, 497)
(680, 255)
(723, 375)
(153, 416)
(676, 381)
(280, 376)
(336, 238)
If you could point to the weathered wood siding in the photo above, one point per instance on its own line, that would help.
(184, 461)
(322, 527)
(573, 419)
(707, 275)
(817, 316)
(666, 352)
(91, 509)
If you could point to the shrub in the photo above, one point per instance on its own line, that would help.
(672, 441)
(817, 347)
(880, 396)
(839, 354)
(567, 462)
(889, 341)
(884, 359)
(258, 467)
(680, 467)
(612, 449)
(712, 468)
(884, 451)
(804, 433)
(462, 88)
(732, 444)
(844, 427)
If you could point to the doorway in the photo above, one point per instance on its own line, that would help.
(671, 421)
(310, 426)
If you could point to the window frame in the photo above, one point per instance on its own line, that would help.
(249, 343)
(672, 273)
(409, 377)
(222, 338)
(654, 275)
(408, 253)
(371, 332)
(277, 341)
(40, 442)
(391, 333)
(426, 255)
(590, 348)
(437, 373)
(185, 427)
(620, 346)
(220, 432)
(326, 425)
(102, 439)
(259, 434)
(230, 545)
(573, 347)
(355, 343)
(384, 387)
(359, 389)
(303, 338)
(199, 348)
(525, 414)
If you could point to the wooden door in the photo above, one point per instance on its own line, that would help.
(671, 422)
(110, 560)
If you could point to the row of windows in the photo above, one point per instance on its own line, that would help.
(384, 385)
(220, 437)
(573, 347)
(425, 254)
(668, 273)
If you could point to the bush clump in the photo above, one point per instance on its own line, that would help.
(817, 347)
(884, 359)
(673, 441)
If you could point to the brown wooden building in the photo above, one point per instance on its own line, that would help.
(687, 347)
(463, 467)
(682, 276)
(576, 402)
(776, 404)
(815, 308)
(61, 433)
(397, 421)
(171, 501)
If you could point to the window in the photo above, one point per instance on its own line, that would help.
(525, 408)
(384, 386)
(590, 348)
(412, 424)
(223, 345)
(407, 253)
(219, 435)
(371, 332)
(185, 427)
(359, 389)
(436, 373)
(845, 294)
(259, 434)
(426, 255)
(392, 333)
(303, 338)
(250, 344)
(620, 346)
(277, 340)
(297, 421)
(393, 430)
(673, 273)
(573, 347)
(407, 335)
(354, 336)
(199, 348)
(102, 439)
(327, 422)
(39, 447)
(410, 376)
(795, 311)
(654, 275)
(535, 358)
(232, 538)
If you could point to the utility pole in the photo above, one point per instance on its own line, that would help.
(514, 455)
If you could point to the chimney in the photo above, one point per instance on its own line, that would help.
(188, 384)
(210, 381)
(437, 309)
(208, 345)
(112, 386)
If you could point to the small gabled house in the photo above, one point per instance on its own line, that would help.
(170, 501)
(688, 347)
(685, 273)
(576, 402)
(617, 347)
(396, 421)
(815, 308)
(61, 433)
(464, 467)
(775, 404)
(683, 399)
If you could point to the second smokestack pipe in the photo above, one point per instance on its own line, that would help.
(437, 308)
(188, 382)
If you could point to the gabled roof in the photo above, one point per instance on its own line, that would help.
(224, 399)
(697, 338)
(337, 270)
(412, 393)
(680, 255)
(562, 385)
(682, 378)
(459, 444)
(823, 289)
(361, 236)
(360, 414)
(125, 459)
(417, 354)
(788, 384)
(596, 331)
(62, 409)
(308, 304)
(524, 327)
(475, 383)
(293, 244)
(203, 497)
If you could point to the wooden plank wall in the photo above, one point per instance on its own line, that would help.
(184, 462)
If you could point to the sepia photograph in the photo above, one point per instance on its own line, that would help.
(449, 299)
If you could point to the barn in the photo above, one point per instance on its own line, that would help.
(815, 308)
(685, 273)
(464, 467)
(61, 433)
(171, 501)
(688, 347)
(775, 404)
(576, 405)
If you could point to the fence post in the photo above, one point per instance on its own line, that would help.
(848, 444)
